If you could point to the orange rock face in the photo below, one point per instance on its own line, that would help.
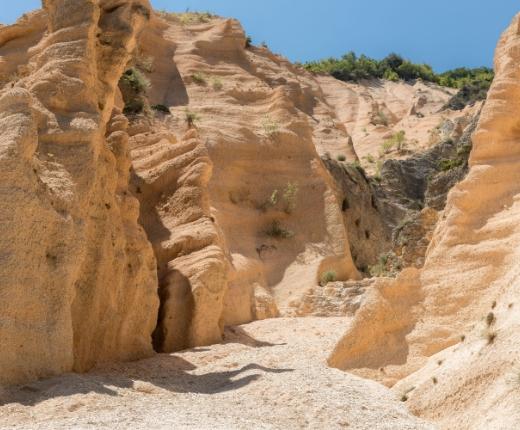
(243, 216)
(78, 276)
(229, 217)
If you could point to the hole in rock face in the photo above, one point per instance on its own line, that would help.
(373, 202)
(367, 234)
(345, 205)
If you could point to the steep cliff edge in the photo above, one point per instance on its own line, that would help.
(77, 275)
(450, 329)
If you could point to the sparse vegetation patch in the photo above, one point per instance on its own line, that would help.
(276, 230)
(133, 85)
(270, 126)
(328, 276)
(191, 118)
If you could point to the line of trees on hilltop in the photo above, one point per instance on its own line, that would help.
(473, 83)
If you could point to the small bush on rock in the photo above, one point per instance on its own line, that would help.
(270, 126)
(199, 78)
(191, 118)
(328, 276)
(161, 108)
(290, 196)
(276, 230)
(133, 85)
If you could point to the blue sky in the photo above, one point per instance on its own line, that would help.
(443, 33)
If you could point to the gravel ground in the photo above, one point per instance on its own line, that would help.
(269, 374)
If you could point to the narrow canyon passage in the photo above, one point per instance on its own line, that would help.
(197, 233)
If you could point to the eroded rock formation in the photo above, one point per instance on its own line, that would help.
(455, 346)
(77, 275)
(236, 217)
(245, 199)
(228, 189)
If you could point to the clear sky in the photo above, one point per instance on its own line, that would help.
(443, 33)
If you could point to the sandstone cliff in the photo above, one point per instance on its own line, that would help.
(240, 215)
(162, 179)
(77, 275)
(450, 329)
(243, 215)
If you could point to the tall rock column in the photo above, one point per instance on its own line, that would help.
(78, 281)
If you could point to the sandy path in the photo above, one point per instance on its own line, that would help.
(268, 375)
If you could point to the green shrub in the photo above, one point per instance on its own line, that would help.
(390, 75)
(380, 119)
(369, 158)
(341, 157)
(216, 83)
(135, 80)
(270, 126)
(249, 42)
(351, 67)
(387, 265)
(191, 118)
(328, 276)
(386, 146)
(398, 141)
(450, 163)
(161, 108)
(276, 230)
(199, 78)
(133, 85)
(354, 165)
(469, 94)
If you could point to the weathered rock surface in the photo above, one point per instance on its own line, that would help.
(456, 343)
(242, 213)
(363, 204)
(373, 112)
(225, 201)
(335, 299)
(77, 275)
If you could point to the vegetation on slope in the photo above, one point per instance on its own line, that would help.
(472, 83)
